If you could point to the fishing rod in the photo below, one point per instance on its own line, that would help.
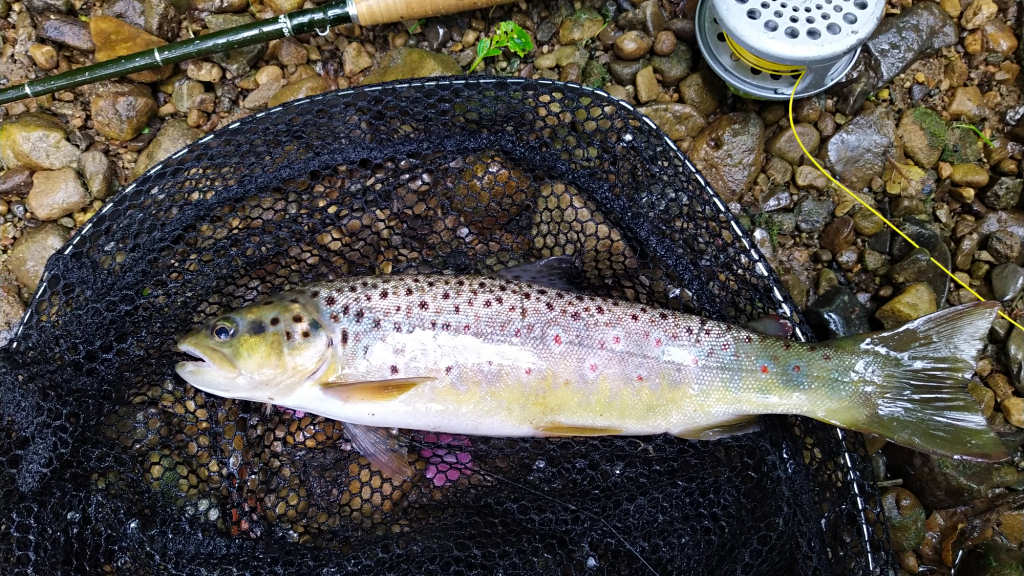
(362, 12)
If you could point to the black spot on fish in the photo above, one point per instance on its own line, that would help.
(344, 337)
(335, 318)
(297, 318)
(257, 327)
(275, 321)
(305, 333)
(314, 294)
(383, 294)
(330, 301)
(394, 369)
(359, 315)
(288, 335)
(424, 305)
(344, 311)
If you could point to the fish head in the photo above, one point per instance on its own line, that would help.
(257, 353)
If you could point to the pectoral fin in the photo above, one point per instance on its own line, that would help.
(373, 390)
(381, 448)
(558, 429)
(741, 425)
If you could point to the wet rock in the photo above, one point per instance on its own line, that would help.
(220, 5)
(777, 199)
(43, 55)
(729, 153)
(866, 223)
(632, 45)
(653, 17)
(838, 234)
(967, 103)
(115, 38)
(66, 30)
(238, 61)
(797, 289)
(857, 153)
(131, 11)
(437, 34)
(98, 173)
(186, 93)
(30, 252)
(969, 175)
(1007, 281)
(1000, 38)
(675, 66)
(625, 71)
(905, 517)
(678, 121)
(993, 558)
(355, 59)
(407, 62)
(583, 25)
(647, 87)
(923, 133)
(203, 71)
(915, 267)
(284, 6)
(1013, 410)
(811, 177)
(812, 214)
(702, 90)
(1004, 245)
(978, 13)
(292, 53)
(15, 182)
(985, 397)
(778, 170)
(36, 142)
(945, 482)
(965, 251)
(900, 40)
(40, 6)
(173, 136)
(836, 313)
(962, 146)
(545, 31)
(873, 261)
(914, 301)
(1004, 194)
(856, 86)
(301, 89)
(11, 310)
(56, 193)
(664, 43)
(120, 111)
(784, 144)
(162, 18)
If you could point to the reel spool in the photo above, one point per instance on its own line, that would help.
(823, 36)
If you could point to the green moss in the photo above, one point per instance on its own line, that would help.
(933, 125)
(962, 146)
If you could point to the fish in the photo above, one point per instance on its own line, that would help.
(512, 356)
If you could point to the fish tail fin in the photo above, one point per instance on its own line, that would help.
(918, 396)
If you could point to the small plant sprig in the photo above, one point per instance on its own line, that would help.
(508, 35)
(976, 131)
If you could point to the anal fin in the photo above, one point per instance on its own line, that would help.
(373, 390)
(381, 448)
(736, 426)
(559, 429)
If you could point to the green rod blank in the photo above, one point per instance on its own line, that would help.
(301, 22)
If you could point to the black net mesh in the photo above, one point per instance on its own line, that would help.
(110, 464)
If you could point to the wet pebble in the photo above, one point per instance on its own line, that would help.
(647, 87)
(174, 135)
(968, 103)
(402, 63)
(969, 175)
(678, 121)
(702, 90)
(914, 301)
(300, 89)
(30, 252)
(675, 66)
(98, 173)
(1013, 411)
(664, 44)
(905, 517)
(355, 59)
(66, 30)
(56, 193)
(114, 38)
(15, 182)
(729, 152)
(625, 71)
(204, 71)
(632, 45)
(838, 234)
(1004, 245)
(1007, 281)
(902, 39)
(915, 267)
(812, 214)
(44, 55)
(121, 110)
(583, 25)
(858, 152)
(1004, 193)
(785, 146)
(837, 312)
(36, 142)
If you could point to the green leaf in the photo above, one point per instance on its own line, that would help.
(520, 42)
(507, 34)
(482, 47)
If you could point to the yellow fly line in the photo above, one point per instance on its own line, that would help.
(783, 70)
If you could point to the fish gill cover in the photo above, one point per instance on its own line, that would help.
(110, 464)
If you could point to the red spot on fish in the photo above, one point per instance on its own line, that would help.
(335, 318)
(796, 368)
(657, 342)
(466, 328)
(593, 367)
(639, 378)
(764, 368)
(394, 369)
(617, 340)
(518, 333)
(424, 305)
(528, 371)
(558, 339)
(695, 361)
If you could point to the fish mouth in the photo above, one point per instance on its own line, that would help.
(212, 370)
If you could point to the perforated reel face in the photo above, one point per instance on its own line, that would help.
(110, 464)
(799, 32)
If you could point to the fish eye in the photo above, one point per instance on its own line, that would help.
(224, 329)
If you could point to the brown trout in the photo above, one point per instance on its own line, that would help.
(497, 357)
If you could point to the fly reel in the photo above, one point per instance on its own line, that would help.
(760, 47)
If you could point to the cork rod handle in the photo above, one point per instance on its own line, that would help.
(370, 12)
